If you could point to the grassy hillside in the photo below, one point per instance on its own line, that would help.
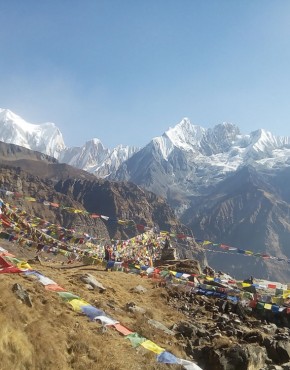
(50, 335)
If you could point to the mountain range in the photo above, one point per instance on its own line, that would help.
(226, 186)
(185, 161)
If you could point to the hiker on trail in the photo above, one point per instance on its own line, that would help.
(108, 253)
(108, 257)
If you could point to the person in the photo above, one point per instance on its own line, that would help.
(108, 255)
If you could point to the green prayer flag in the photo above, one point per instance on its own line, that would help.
(67, 296)
(135, 339)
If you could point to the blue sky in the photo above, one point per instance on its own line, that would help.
(124, 71)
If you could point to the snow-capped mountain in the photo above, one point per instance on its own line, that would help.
(225, 186)
(45, 138)
(187, 160)
(95, 158)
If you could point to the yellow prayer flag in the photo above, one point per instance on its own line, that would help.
(277, 300)
(78, 211)
(267, 306)
(151, 346)
(30, 199)
(246, 284)
(209, 278)
(23, 265)
(206, 242)
(286, 293)
(77, 303)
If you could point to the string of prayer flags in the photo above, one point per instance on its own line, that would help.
(122, 329)
(54, 288)
(106, 321)
(4, 263)
(9, 270)
(77, 304)
(92, 312)
(167, 358)
(151, 346)
(135, 339)
(45, 280)
(188, 365)
(67, 296)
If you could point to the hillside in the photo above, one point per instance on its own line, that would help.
(180, 323)
(248, 210)
(50, 335)
(35, 175)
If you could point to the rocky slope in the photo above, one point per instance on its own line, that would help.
(213, 332)
(31, 174)
(249, 210)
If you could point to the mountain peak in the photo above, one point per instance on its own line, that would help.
(7, 115)
(185, 135)
(264, 141)
(45, 138)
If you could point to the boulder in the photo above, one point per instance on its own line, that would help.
(278, 351)
(237, 357)
(184, 329)
(139, 289)
(91, 280)
(160, 326)
(132, 307)
(22, 294)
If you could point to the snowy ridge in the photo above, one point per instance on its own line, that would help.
(45, 138)
(186, 159)
(222, 145)
(185, 135)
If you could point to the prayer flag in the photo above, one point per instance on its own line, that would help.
(151, 346)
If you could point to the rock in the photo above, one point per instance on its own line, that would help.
(139, 289)
(22, 294)
(217, 334)
(184, 329)
(269, 328)
(89, 287)
(201, 341)
(281, 336)
(253, 337)
(278, 351)
(201, 332)
(111, 304)
(132, 307)
(246, 357)
(91, 280)
(160, 326)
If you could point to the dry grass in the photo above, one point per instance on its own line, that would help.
(51, 336)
